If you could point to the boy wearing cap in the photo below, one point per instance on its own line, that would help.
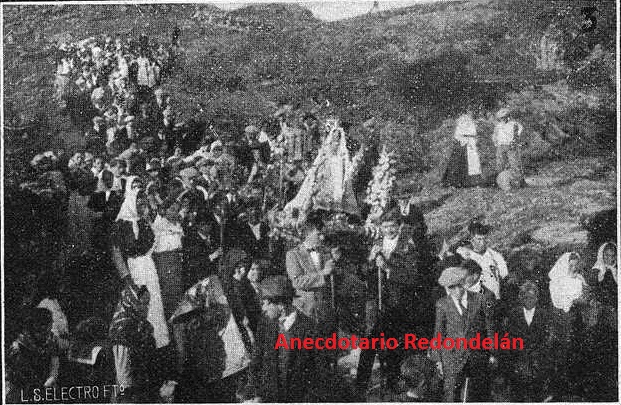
(283, 375)
(506, 139)
(461, 314)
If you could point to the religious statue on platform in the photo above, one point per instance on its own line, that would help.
(328, 183)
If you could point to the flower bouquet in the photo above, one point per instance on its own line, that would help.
(380, 189)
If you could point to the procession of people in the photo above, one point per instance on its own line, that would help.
(167, 260)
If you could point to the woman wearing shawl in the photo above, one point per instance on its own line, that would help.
(132, 242)
(133, 345)
(567, 285)
(464, 165)
(568, 291)
(605, 268)
(168, 254)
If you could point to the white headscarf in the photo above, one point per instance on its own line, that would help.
(129, 211)
(602, 267)
(564, 287)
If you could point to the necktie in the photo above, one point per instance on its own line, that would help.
(464, 310)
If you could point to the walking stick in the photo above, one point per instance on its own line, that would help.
(379, 289)
(222, 246)
(464, 394)
(280, 183)
(332, 290)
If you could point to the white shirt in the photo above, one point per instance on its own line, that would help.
(315, 258)
(256, 230)
(389, 245)
(463, 301)
(167, 235)
(528, 315)
(476, 287)
(489, 260)
(505, 132)
(287, 321)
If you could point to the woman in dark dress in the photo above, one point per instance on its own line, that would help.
(132, 243)
(605, 270)
(464, 165)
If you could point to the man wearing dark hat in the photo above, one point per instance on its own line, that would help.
(404, 297)
(201, 248)
(462, 314)
(284, 375)
(253, 234)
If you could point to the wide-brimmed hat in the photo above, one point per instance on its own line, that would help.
(452, 276)
(277, 286)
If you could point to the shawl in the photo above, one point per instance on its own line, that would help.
(128, 211)
(602, 267)
(564, 288)
(128, 328)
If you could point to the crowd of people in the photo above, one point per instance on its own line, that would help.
(224, 20)
(131, 226)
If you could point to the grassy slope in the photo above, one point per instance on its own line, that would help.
(412, 69)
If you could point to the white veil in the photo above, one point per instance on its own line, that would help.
(340, 167)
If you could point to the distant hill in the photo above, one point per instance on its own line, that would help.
(278, 15)
(412, 68)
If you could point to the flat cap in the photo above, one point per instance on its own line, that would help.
(251, 129)
(189, 173)
(452, 276)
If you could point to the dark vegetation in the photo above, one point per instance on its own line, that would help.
(414, 69)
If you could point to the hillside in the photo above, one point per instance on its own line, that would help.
(413, 69)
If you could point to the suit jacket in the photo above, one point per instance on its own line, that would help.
(312, 288)
(407, 293)
(450, 323)
(287, 375)
(196, 251)
(109, 210)
(246, 240)
(537, 335)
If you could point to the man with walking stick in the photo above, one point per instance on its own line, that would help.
(399, 274)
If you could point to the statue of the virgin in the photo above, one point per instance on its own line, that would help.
(328, 183)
